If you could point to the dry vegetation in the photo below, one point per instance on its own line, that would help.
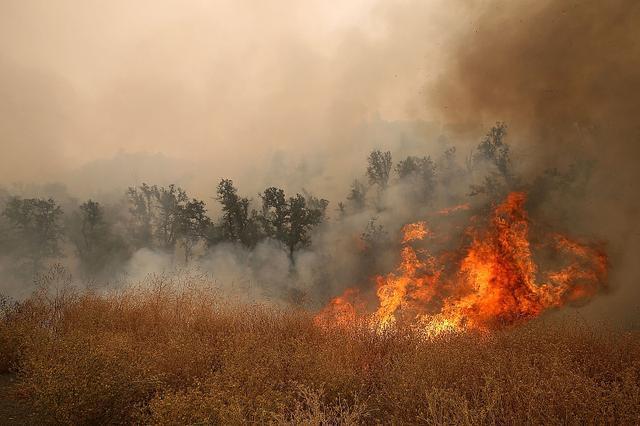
(173, 353)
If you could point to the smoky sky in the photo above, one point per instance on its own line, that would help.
(222, 87)
(94, 94)
(227, 88)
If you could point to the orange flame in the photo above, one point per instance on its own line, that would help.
(448, 210)
(495, 281)
(341, 311)
(415, 231)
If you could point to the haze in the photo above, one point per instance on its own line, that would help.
(221, 88)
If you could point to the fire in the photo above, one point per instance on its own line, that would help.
(448, 210)
(341, 311)
(414, 231)
(494, 282)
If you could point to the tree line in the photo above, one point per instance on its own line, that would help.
(167, 219)
(162, 218)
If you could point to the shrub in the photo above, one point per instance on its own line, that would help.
(175, 353)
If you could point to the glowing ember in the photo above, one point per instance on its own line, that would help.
(495, 283)
(449, 210)
(414, 231)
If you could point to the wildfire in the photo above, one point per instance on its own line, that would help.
(449, 210)
(341, 311)
(414, 231)
(495, 281)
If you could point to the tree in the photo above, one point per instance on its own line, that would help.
(291, 220)
(374, 237)
(420, 173)
(96, 245)
(92, 233)
(238, 224)
(357, 195)
(374, 241)
(165, 216)
(275, 213)
(318, 204)
(194, 224)
(448, 169)
(170, 204)
(379, 168)
(36, 223)
(141, 206)
(493, 152)
(301, 221)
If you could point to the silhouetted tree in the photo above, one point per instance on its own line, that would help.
(374, 241)
(96, 245)
(170, 204)
(6, 243)
(379, 168)
(420, 174)
(302, 220)
(213, 234)
(315, 203)
(448, 168)
(193, 226)
(36, 223)
(238, 223)
(91, 233)
(493, 152)
(291, 220)
(374, 236)
(275, 213)
(357, 195)
(141, 206)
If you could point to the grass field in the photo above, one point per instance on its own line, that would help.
(167, 354)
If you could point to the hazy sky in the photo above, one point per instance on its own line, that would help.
(248, 89)
(222, 83)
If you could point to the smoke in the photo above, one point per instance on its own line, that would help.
(297, 88)
(559, 72)
(565, 76)
(103, 95)
(264, 273)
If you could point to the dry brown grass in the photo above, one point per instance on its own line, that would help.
(175, 354)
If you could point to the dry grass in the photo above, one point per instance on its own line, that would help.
(174, 354)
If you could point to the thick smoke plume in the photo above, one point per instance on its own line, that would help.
(565, 75)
